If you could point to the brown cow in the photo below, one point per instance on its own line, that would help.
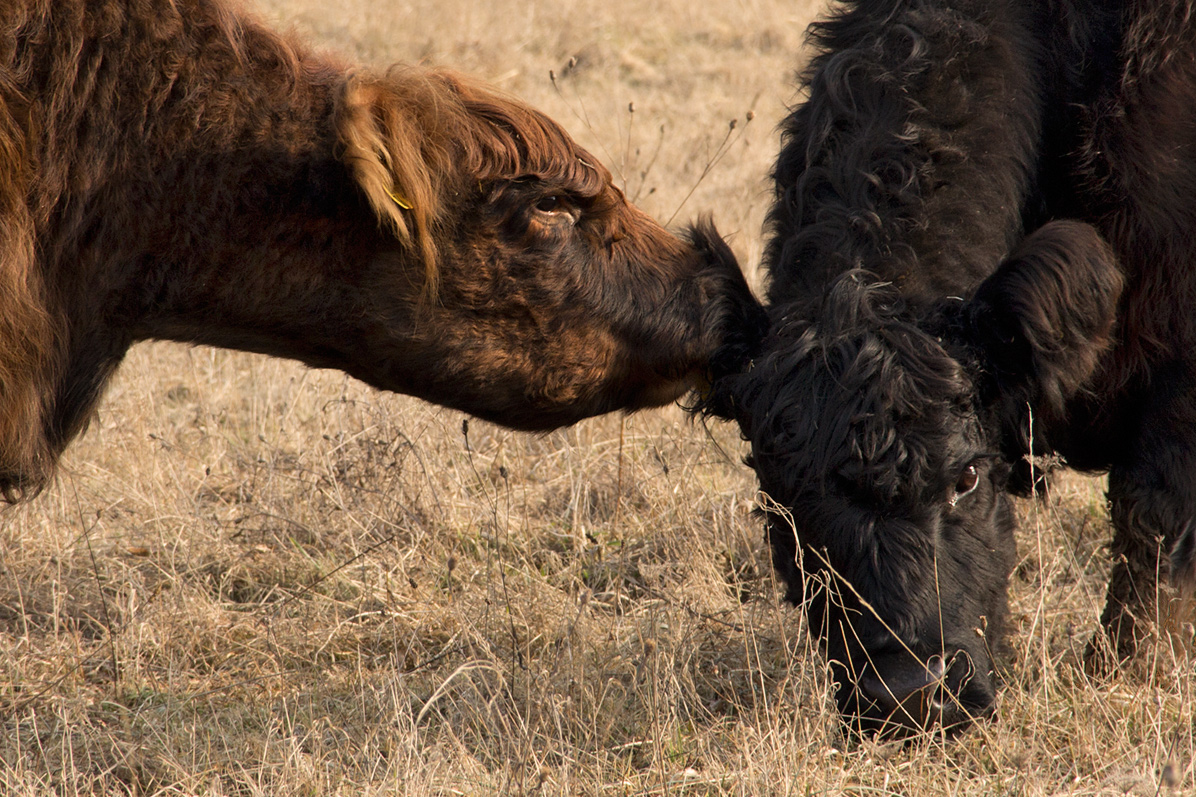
(173, 170)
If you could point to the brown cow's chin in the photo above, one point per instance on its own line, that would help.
(664, 393)
(657, 394)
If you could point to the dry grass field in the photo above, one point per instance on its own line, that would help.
(256, 579)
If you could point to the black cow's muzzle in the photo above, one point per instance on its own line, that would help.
(898, 694)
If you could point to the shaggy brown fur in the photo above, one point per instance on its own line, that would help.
(171, 169)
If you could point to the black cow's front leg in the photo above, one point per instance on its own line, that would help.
(1153, 504)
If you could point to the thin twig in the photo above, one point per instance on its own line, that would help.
(723, 148)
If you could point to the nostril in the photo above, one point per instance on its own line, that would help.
(960, 671)
(910, 692)
(897, 693)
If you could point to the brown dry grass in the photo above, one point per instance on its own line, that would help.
(254, 579)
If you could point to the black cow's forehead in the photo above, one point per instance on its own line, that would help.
(883, 411)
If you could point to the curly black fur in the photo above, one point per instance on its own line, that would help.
(978, 251)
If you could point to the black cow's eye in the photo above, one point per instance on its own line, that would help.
(966, 483)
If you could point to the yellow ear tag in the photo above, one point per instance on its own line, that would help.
(398, 200)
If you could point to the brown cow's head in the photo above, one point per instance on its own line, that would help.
(541, 296)
(416, 230)
(884, 436)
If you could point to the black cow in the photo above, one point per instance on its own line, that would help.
(981, 252)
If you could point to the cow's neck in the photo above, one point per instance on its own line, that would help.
(890, 167)
(217, 214)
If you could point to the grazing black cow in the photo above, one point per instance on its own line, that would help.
(981, 250)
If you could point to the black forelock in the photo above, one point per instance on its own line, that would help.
(853, 396)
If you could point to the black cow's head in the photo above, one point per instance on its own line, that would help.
(884, 433)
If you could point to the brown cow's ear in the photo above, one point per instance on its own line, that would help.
(382, 132)
(1044, 318)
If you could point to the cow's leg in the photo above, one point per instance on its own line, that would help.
(1152, 499)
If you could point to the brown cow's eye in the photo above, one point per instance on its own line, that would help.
(557, 210)
(966, 483)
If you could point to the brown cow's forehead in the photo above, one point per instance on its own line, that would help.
(520, 142)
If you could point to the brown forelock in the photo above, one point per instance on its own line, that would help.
(505, 139)
(432, 137)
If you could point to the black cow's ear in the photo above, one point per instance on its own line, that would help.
(1043, 319)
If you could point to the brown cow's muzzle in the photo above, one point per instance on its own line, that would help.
(710, 325)
(733, 321)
